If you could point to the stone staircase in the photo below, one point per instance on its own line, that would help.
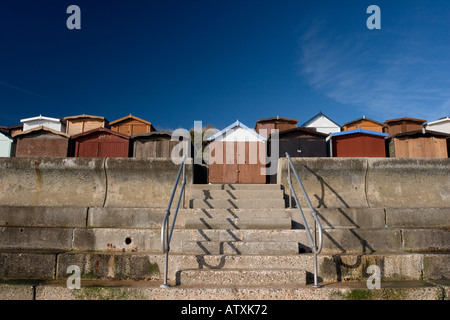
(245, 220)
(233, 242)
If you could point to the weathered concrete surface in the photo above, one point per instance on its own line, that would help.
(373, 182)
(417, 217)
(252, 203)
(148, 266)
(17, 290)
(426, 240)
(89, 182)
(329, 182)
(126, 290)
(143, 182)
(238, 223)
(436, 266)
(52, 182)
(361, 240)
(332, 218)
(242, 277)
(20, 216)
(408, 183)
(128, 182)
(27, 265)
(111, 239)
(13, 238)
(111, 217)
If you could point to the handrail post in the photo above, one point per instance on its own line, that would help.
(316, 249)
(166, 235)
(184, 182)
(290, 183)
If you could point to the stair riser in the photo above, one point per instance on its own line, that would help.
(145, 240)
(230, 223)
(42, 265)
(237, 194)
(238, 204)
(237, 247)
(236, 186)
(242, 277)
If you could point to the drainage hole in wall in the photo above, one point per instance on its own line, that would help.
(127, 240)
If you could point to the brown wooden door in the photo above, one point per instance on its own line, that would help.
(250, 168)
(87, 149)
(240, 163)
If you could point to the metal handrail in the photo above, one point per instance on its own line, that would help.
(316, 249)
(166, 234)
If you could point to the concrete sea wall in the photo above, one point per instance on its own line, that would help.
(88, 182)
(129, 182)
(370, 182)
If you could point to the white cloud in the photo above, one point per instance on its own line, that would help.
(383, 80)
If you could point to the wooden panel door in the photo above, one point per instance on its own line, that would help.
(250, 168)
(223, 166)
(87, 149)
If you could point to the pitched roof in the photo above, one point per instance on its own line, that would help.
(406, 118)
(100, 129)
(423, 132)
(311, 131)
(41, 128)
(362, 118)
(444, 119)
(84, 116)
(363, 131)
(130, 116)
(320, 114)
(234, 125)
(277, 118)
(41, 117)
(152, 134)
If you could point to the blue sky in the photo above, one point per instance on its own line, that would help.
(173, 62)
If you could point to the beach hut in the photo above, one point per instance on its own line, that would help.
(15, 129)
(302, 142)
(235, 155)
(55, 124)
(156, 144)
(7, 145)
(441, 125)
(82, 123)
(264, 126)
(322, 123)
(100, 143)
(358, 143)
(363, 123)
(402, 125)
(418, 144)
(41, 142)
(131, 125)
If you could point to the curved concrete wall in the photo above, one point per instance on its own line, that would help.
(408, 183)
(370, 182)
(143, 182)
(129, 182)
(88, 182)
(52, 182)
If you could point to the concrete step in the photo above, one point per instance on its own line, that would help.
(236, 213)
(41, 265)
(110, 217)
(237, 204)
(149, 240)
(150, 290)
(239, 247)
(237, 194)
(238, 223)
(242, 277)
(235, 186)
